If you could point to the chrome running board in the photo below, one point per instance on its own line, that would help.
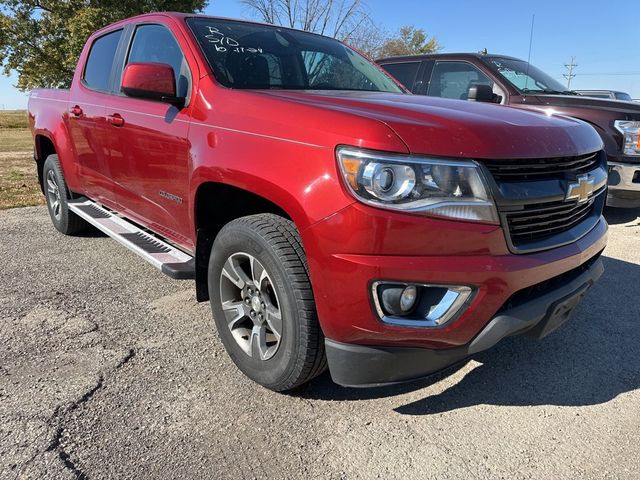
(165, 257)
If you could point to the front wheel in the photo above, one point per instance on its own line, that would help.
(263, 304)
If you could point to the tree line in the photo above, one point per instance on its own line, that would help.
(41, 40)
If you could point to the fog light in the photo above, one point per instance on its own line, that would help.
(420, 305)
(408, 298)
(391, 299)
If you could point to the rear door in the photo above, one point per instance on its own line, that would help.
(86, 118)
(149, 155)
(405, 72)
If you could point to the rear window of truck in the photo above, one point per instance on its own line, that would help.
(97, 71)
(254, 56)
(404, 72)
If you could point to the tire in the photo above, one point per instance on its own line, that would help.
(278, 277)
(57, 195)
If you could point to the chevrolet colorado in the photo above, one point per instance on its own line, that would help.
(514, 82)
(330, 218)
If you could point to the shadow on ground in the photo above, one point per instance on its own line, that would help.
(617, 216)
(590, 360)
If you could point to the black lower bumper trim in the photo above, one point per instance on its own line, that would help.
(368, 366)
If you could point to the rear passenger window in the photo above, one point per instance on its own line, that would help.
(155, 44)
(405, 73)
(97, 72)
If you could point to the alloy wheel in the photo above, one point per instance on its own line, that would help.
(53, 194)
(250, 304)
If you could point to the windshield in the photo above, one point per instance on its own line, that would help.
(245, 55)
(525, 77)
(623, 96)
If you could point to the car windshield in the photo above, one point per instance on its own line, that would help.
(525, 77)
(247, 55)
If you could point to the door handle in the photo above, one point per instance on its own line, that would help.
(116, 120)
(77, 111)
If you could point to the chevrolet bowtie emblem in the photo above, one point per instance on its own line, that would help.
(582, 189)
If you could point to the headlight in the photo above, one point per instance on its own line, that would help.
(452, 189)
(631, 136)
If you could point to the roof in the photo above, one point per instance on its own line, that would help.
(434, 56)
(181, 16)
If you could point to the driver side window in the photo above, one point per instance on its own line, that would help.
(155, 44)
(453, 79)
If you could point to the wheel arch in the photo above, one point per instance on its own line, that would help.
(216, 204)
(43, 147)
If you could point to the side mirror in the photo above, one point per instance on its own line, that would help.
(482, 93)
(152, 81)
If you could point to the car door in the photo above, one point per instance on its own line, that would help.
(149, 155)
(86, 118)
(405, 72)
(453, 78)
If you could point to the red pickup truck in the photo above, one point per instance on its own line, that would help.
(330, 217)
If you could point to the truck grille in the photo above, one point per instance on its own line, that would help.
(532, 204)
(541, 168)
(537, 222)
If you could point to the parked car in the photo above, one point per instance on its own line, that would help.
(327, 215)
(609, 94)
(510, 81)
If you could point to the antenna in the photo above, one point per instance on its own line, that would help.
(526, 80)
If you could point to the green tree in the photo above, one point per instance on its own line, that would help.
(41, 40)
(409, 41)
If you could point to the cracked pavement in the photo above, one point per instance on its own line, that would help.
(108, 369)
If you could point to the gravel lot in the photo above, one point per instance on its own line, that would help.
(108, 369)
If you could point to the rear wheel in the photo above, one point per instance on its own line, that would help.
(263, 304)
(57, 195)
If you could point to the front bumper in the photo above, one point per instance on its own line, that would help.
(537, 316)
(360, 245)
(624, 185)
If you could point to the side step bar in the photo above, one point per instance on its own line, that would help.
(166, 258)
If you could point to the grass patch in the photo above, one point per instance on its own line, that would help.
(13, 119)
(18, 177)
(19, 181)
(15, 140)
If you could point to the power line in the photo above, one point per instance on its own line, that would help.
(610, 73)
(570, 74)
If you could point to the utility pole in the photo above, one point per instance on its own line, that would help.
(569, 75)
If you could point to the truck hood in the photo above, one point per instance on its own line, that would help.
(576, 101)
(455, 128)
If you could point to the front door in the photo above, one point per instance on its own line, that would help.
(149, 155)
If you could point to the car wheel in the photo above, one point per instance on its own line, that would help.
(263, 303)
(57, 195)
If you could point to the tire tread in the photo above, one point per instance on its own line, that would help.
(283, 237)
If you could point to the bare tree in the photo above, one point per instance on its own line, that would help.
(341, 19)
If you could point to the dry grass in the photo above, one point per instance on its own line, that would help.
(18, 177)
(13, 119)
(19, 181)
(15, 140)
